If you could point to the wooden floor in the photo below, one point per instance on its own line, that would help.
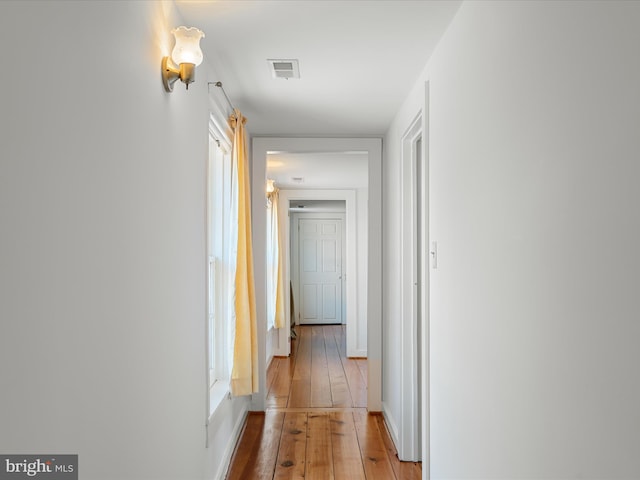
(316, 424)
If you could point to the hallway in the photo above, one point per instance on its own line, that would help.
(317, 429)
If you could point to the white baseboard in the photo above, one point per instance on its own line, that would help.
(231, 444)
(357, 354)
(391, 425)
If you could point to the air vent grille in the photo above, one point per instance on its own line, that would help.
(284, 68)
(279, 66)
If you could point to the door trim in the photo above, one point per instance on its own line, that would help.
(410, 431)
(425, 337)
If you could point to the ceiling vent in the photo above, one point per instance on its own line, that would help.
(284, 69)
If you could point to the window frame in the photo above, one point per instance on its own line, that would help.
(220, 266)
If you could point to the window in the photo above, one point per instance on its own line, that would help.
(220, 268)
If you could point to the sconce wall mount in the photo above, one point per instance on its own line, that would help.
(185, 57)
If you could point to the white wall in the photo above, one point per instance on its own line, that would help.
(102, 271)
(534, 306)
(224, 429)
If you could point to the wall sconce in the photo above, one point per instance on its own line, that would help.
(270, 186)
(186, 54)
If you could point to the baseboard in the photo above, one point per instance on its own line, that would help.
(392, 427)
(357, 354)
(231, 445)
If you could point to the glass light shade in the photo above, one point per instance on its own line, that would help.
(187, 49)
(270, 186)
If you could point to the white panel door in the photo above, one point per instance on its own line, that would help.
(320, 270)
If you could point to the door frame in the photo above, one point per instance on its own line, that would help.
(261, 146)
(409, 434)
(414, 436)
(429, 250)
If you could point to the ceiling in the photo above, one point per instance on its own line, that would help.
(318, 170)
(358, 59)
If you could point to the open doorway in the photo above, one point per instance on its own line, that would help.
(356, 211)
(330, 188)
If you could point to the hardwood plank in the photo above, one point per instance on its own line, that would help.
(302, 367)
(340, 393)
(257, 450)
(321, 383)
(355, 380)
(300, 395)
(300, 392)
(319, 409)
(340, 334)
(295, 440)
(372, 448)
(347, 461)
(357, 385)
(278, 393)
(293, 445)
(246, 443)
(272, 371)
(362, 366)
(294, 343)
(402, 470)
(319, 460)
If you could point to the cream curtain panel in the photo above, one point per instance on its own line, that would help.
(244, 372)
(276, 263)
